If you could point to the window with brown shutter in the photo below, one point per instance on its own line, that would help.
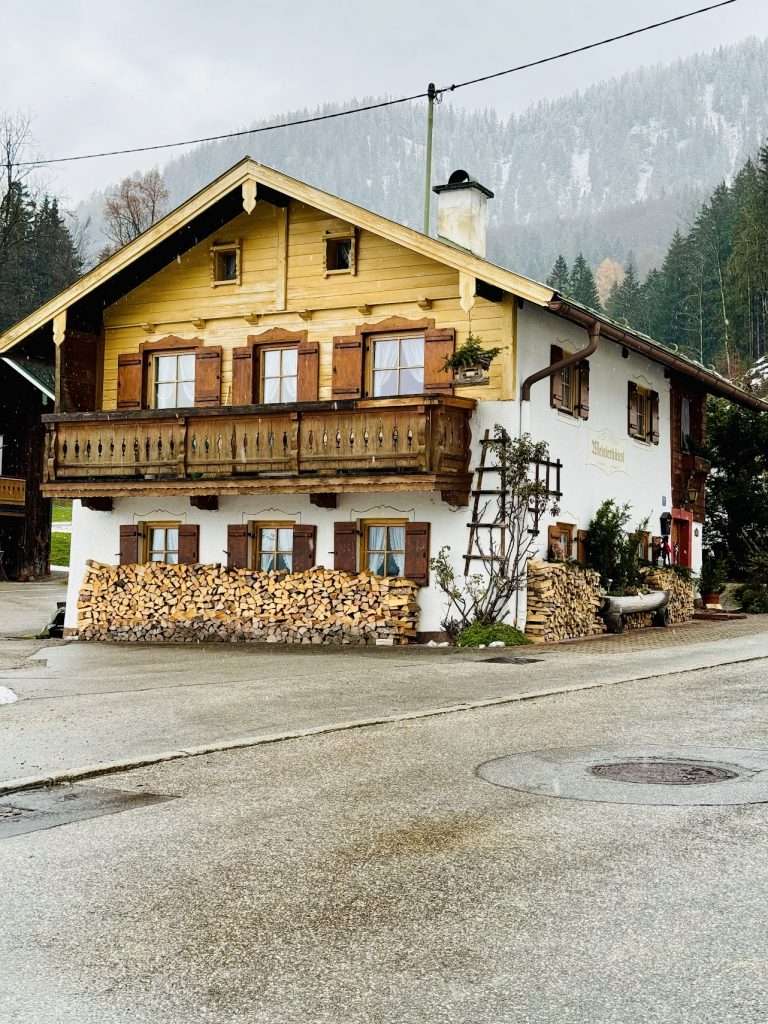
(417, 553)
(642, 413)
(308, 372)
(237, 546)
(560, 542)
(582, 408)
(208, 375)
(130, 540)
(304, 548)
(243, 375)
(189, 544)
(582, 546)
(347, 367)
(439, 345)
(130, 380)
(556, 379)
(345, 546)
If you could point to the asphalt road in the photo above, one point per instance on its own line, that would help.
(372, 876)
(90, 704)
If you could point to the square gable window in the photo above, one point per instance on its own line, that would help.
(225, 263)
(340, 253)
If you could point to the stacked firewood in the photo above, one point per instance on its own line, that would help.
(194, 603)
(681, 592)
(563, 602)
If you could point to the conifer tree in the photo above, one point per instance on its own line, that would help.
(581, 286)
(560, 279)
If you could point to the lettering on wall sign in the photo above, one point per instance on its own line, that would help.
(606, 453)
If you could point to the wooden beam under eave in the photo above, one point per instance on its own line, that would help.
(59, 328)
(467, 290)
(208, 502)
(97, 504)
(417, 483)
(281, 279)
(323, 500)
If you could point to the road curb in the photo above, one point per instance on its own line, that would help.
(264, 739)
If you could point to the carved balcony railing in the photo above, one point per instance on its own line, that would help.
(419, 435)
(13, 492)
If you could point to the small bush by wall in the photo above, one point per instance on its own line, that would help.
(193, 603)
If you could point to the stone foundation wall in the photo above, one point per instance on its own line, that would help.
(194, 603)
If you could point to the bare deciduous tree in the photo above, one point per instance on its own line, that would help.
(132, 207)
(15, 137)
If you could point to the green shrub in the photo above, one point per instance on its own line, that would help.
(753, 598)
(613, 552)
(477, 634)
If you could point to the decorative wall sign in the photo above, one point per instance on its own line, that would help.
(607, 453)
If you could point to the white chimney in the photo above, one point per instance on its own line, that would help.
(462, 212)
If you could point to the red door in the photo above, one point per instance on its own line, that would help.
(681, 537)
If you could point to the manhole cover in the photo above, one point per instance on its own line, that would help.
(647, 774)
(662, 773)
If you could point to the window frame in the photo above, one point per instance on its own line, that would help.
(152, 382)
(261, 352)
(568, 530)
(644, 403)
(219, 249)
(373, 340)
(146, 539)
(255, 550)
(572, 375)
(365, 525)
(340, 236)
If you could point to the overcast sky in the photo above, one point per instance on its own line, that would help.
(103, 74)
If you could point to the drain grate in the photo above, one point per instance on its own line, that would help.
(501, 660)
(662, 773)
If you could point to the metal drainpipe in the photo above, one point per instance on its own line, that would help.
(562, 364)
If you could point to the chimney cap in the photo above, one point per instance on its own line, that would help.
(461, 179)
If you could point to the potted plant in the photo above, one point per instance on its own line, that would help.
(470, 361)
(713, 579)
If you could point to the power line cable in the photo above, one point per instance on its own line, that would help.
(376, 106)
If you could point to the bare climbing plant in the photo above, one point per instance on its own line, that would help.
(520, 501)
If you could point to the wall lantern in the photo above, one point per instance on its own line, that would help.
(692, 491)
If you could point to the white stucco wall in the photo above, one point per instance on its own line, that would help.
(96, 535)
(643, 478)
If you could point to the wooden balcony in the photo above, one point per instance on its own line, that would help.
(419, 443)
(13, 495)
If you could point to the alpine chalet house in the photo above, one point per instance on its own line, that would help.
(259, 381)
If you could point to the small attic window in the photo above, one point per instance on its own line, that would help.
(340, 253)
(225, 263)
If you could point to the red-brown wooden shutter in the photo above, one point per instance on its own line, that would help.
(633, 423)
(417, 553)
(308, 371)
(130, 382)
(189, 544)
(243, 376)
(556, 380)
(130, 538)
(654, 417)
(347, 367)
(583, 379)
(208, 375)
(582, 543)
(345, 546)
(237, 546)
(303, 547)
(439, 345)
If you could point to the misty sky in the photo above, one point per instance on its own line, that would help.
(102, 74)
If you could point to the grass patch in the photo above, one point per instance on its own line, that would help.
(62, 510)
(60, 543)
(477, 634)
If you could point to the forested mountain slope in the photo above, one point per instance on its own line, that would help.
(609, 171)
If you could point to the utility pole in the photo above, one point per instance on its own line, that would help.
(431, 94)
